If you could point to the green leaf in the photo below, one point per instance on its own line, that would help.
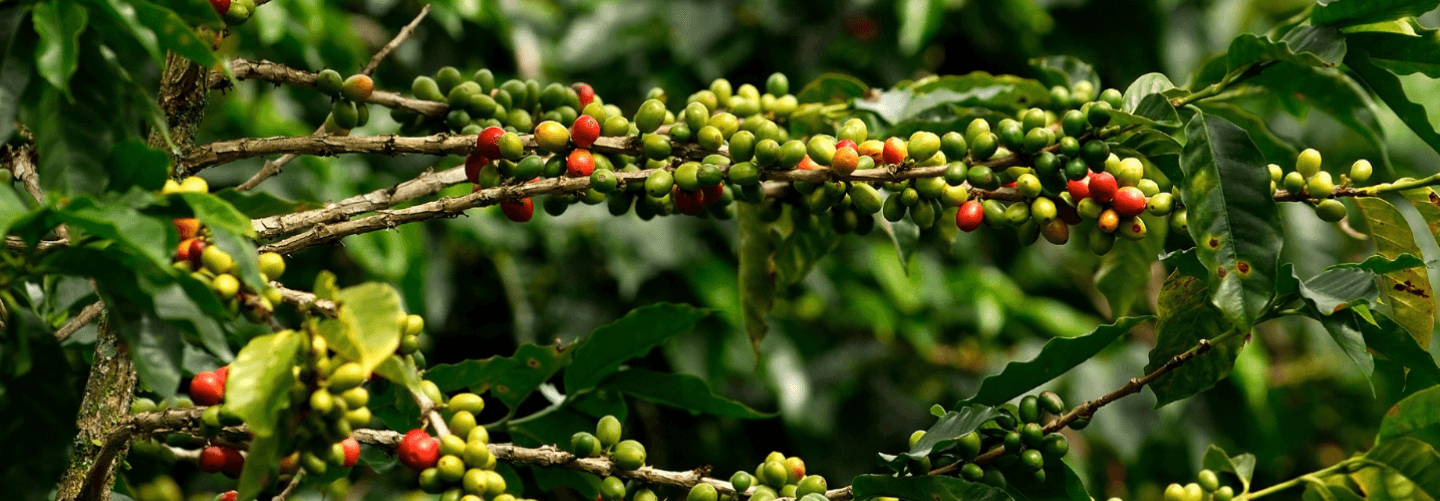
(631, 336)
(1427, 203)
(1417, 417)
(367, 329)
(1388, 88)
(59, 23)
(944, 434)
(1143, 87)
(1414, 459)
(509, 379)
(16, 65)
(137, 165)
(924, 488)
(1341, 13)
(123, 15)
(1400, 53)
(258, 204)
(1065, 71)
(1330, 91)
(12, 208)
(796, 254)
(1381, 265)
(1412, 301)
(1329, 292)
(144, 236)
(1057, 357)
(1316, 490)
(919, 21)
(999, 92)
(72, 149)
(262, 462)
(1124, 272)
(904, 235)
(1233, 217)
(1388, 338)
(1276, 150)
(242, 250)
(174, 34)
(399, 372)
(1305, 45)
(678, 390)
(1186, 317)
(1153, 110)
(1243, 466)
(757, 271)
(832, 87)
(157, 348)
(214, 212)
(1061, 484)
(258, 388)
(1159, 148)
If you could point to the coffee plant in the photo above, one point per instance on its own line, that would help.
(239, 342)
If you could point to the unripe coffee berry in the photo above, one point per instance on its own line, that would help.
(357, 88)
(328, 81)
(1320, 185)
(1330, 210)
(1361, 170)
(628, 455)
(703, 492)
(551, 136)
(1308, 163)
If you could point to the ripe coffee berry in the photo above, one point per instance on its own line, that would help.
(352, 451)
(580, 163)
(188, 227)
(1103, 187)
(1130, 201)
(585, 131)
(230, 495)
(1079, 190)
(222, 7)
(845, 160)
(474, 163)
(585, 92)
(971, 215)
(894, 151)
(418, 450)
(487, 143)
(212, 459)
(518, 211)
(207, 389)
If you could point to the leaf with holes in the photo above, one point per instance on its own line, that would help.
(1233, 217)
(1412, 302)
(1186, 317)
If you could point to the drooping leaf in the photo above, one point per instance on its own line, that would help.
(508, 379)
(905, 235)
(1388, 338)
(174, 35)
(1186, 317)
(1400, 53)
(832, 87)
(1417, 417)
(757, 274)
(367, 330)
(258, 388)
(944, 434)
(1329, 292)
(1414, 459)
(919, 21)
(631, 336)
(1065, 71)
(1233, 217)
(1381, 265)
(678, 390)
(16, 64)
(1305, 45)
(924, 488)
(1243, 466)
(1388, 88)
(1412, 302)
(1341, 13)
(1061, 484)
(72, 149)
(1159, 148)
(59, 24)
(1058, 356)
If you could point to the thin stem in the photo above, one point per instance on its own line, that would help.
(1308, 477)
(1216, 88)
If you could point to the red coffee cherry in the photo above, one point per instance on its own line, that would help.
(586, 93)
(207, 389)
(418, 450)
(1103, 187)
(894, 151)
(580, 163)
(1079, 190)
(970, 216)
(474, 162)
(518, 211)
(188, 227)
(352, 451)
(487, 143)
(585, 131)
(212, 459)
(687, 202)
(1130, 201)
(222, 7)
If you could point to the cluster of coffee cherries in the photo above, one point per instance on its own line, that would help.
(235, 12)
(1307, 178)
(1206, 487)
(458, 466)
(216, 268)
(627, 454)
(777, 476)
(330, 391)
(1020, 430)
(347, 109)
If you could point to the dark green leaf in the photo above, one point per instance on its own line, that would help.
(1388, 338)
(144, 236)
(137, 165)
(1330, 91)
(509, 379)
(1381, 265)
(796, 254)
(1065, 71)
(195, 13)
(1329, 292)
(1145, 86)
(367, 330)
(1153, 110)
(1388, 88)
(1124, 272)
(678, 390)
(242, 250)
(1412, 301)
(924, 488)
(1401, 53)
(905, 235)
(17, 64)
(1233, 217)
(1304, 45)
(39, 417)
(1417, 417)
(1276, 150)
(1186, 317)
(216, 213)
(258, 389)
(1057, 357)
(1243, 466)
(632, 336)
(72, 148)
(12, 208)
(261, 463)
(1343, 13)
(944, 434)
(757, 275)
(174, 34)
(1061, 484)
(1412, 458)
(1159, 148)
(399, 372)
(258, 204)
(123, 16)
(1000, 92)
(832, 87)
(59, 23)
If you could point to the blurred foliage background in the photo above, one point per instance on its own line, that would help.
(864, 345)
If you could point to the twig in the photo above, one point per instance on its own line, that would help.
(426, 184)
(273, 167)
(290, 489)
(306, 299)
(18, 244)
(282, 74)
(86, 315)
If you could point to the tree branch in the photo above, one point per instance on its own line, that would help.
(426, 184)
(281, 74)
(305, 299)
(400, 38)
(103, 412)
(86, 315)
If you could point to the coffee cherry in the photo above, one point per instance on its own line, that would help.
(894, 152)
(487, 143)
(1103, 187)
(741, 481)
(1012, 441)
(1224, 493)
(703, 492)
(1308, 163)
(357, 88)
(970, 216)
(1330, 210)
(1038, 139)
(418, 450)
(1174, 492)
(811, 484)
(982, 177)
(1032, 459)
(212, 459)
(327, 81)
(1320, 185)
(206, 388)
(777, 85)
(225, 285)
(1361, 170)
(972, 472)
(994, 478)
(612, 489)
(1208, 480)
(234, 462)
(773, 474)
(518, 211)
(1051, 402)
(351, 449)
(628, 455)
(1129, 201)
(585, 131)
(1055, 445)
(1056, 232)
(608, 431)
(1073, 123)
(551, 136)
(1030, 409)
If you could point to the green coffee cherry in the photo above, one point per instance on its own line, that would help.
(1224, 493)
(703, 492)
(1361, 170)
(1030, 409)
(984, 146)
(1330, 210)
(923, 145)
(1294, 182)
(612, 489)
(773, 474)
(741, 481)
(1050, 402)
(425, 88)
(1308, 163)
(628, 455)
(791, 153)
(1055, 445)
(1320, 185)
(710, 138)
(1208, 480)
(972, 472)
(777, 85)
(1174, 492)
(956, 173)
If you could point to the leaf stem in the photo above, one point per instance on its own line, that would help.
(1308, 477)
(1216, 88)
